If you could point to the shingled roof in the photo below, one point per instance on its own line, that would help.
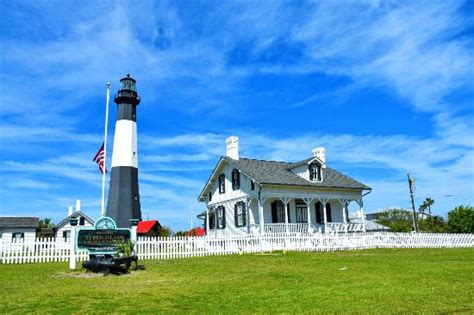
(279, 173)
(19, 222)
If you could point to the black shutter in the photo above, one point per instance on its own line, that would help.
(274, 213)
(310, 169)
(252, 185)
(210, 196)
(236, 216)
(288, 212)
(223, 217)
(244, 215)
(328, 212)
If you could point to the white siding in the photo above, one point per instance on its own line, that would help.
(29, 233)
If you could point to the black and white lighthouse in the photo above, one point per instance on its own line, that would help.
(123, 202)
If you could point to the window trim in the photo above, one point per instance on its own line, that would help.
(235, 179)
(319, 175)
(243, 215)
(220, 220)
(222, 184)
(304, 214)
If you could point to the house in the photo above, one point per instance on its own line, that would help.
(149, 228)
(63, 228)
(196, 232)
(18, 228)
(248, 196)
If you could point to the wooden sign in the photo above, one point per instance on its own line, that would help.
(103, 238)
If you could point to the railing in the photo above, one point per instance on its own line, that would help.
(281, 228)
(39, 251)
(340, 227)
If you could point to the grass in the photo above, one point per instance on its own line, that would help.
(371, 281)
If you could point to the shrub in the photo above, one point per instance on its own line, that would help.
(398, 220)
(461, 220)
(434, 224)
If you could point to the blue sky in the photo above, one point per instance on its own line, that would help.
(386, 86)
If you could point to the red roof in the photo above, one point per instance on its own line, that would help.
(145, 226)
(196, 232)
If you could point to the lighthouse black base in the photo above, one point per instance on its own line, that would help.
(123, 203)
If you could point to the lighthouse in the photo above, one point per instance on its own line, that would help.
(123, 202)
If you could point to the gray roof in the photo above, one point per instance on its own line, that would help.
(76, 214)
(19, 222)
(279, 173)
(371, 225)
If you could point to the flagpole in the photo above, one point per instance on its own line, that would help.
(102, 211)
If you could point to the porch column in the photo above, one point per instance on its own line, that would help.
(344, 215)
(324, 201)
(361, 211)
(286, 202)
(260, 215)
(247, 214)
(207, 221)
(308, 210)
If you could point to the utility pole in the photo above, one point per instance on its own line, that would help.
(411, 182)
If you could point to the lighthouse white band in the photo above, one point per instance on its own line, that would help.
(125, 144)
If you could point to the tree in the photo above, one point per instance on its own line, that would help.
(180, 233)
(166, 231)
(398, 220)
(426, 205)
(434, 224)
(461, 220)
(45, 224)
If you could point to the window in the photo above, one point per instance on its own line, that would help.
(319, 213)
(66, 235)
(212, 221)
(220, 217)
(301, 212)
(210, 196)
(82, 221)
(278, 212)
(235, 179)
(252, 185)
(328, 212)
(240, 215)
(315, 172)
(222, 184)
(18, 236)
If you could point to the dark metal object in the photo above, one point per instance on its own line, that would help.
(108, 264)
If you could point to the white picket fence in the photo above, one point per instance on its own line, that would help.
(49, 250)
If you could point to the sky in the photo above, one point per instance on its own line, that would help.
(386, 86)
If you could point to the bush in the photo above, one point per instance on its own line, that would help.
(398, 220)
(434, 224)
(461, 220)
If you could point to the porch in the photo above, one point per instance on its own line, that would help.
(300, 214)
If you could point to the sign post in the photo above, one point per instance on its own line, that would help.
(72, 244)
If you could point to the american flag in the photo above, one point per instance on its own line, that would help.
(99, 158)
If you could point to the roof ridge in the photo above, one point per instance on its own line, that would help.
(282, 162)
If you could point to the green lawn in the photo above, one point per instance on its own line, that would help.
(374, 281)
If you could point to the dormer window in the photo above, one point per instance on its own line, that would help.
(222, 184)
(315, 172)
(235, 179)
